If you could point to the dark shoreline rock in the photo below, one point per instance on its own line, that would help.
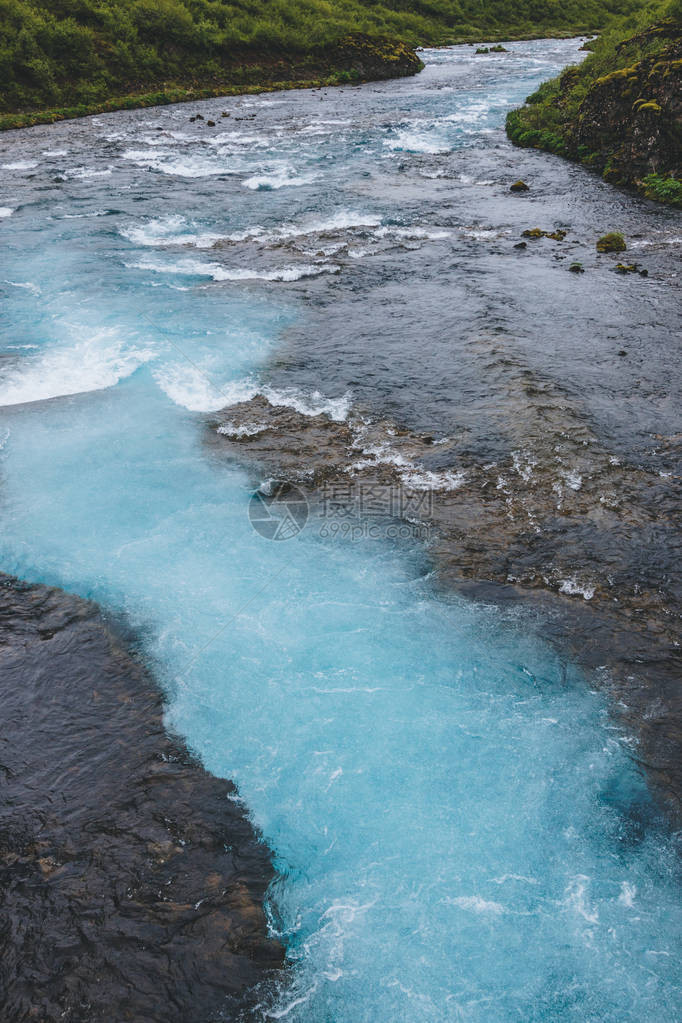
(561, 527)
(132, 883)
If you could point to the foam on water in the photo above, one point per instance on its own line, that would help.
(459, 828)
(20, 165)
(417, 140)
(188, 165)
(285, 177)
(193, 267)
(89, 365)
(174, 230)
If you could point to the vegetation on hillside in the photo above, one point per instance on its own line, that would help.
(620, 111)
(57, 53)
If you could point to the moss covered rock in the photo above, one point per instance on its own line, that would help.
(611, 242)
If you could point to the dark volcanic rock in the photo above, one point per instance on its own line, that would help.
(131, 880)
(589, 544)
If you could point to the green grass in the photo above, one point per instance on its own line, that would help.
(65, 55)
(663, 189)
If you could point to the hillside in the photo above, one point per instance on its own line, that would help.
(65, 57)
(620, 112)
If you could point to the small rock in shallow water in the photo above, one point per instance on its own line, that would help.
(611, 242)
(521, 245)
(519, 186)
(577, 268)
(537, 232)
(210, 124)
(626, 268)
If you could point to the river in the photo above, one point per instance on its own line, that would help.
(456, 818)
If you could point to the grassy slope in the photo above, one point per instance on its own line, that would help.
(619, 112)
(72, 56)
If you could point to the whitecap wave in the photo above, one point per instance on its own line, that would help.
(91, 365)
(174, 230)
(83, 173)
(199, 391)
(412, 233)
(182, 166)
(286, 177)
(414, 140)
(414, 476)
(244, 430)
(6, 211)
(20, 165)
(194, 389)
(217, 272)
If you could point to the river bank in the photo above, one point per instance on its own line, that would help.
(355, 59)
(133, 882)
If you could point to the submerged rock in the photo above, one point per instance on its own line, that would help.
(132, 882)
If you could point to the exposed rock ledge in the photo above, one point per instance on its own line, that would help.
(131, 880)
(589, 543)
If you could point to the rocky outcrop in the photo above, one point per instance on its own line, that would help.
(627, 123)
(131, 881)
(630, 122)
